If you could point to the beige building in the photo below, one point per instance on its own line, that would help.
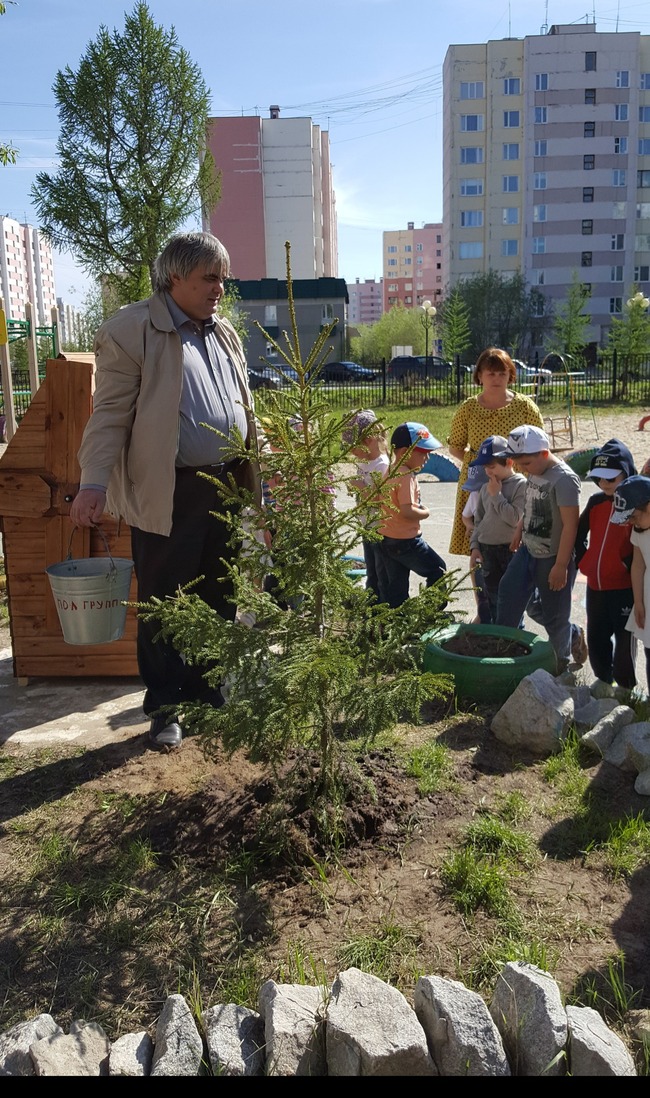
(546, 163)
(413, 265)
(26, 271)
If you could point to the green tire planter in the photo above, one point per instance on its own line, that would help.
(484, 679)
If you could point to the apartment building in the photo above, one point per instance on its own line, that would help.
(276, 186)
(366, 301)
(546, 163)
(413, 265)
(26, 271)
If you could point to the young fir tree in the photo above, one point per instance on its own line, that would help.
(324, 663)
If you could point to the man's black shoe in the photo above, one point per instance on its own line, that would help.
(165, 733)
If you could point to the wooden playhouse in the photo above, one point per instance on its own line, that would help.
(39, 476)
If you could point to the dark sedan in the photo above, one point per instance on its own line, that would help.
(346, 371)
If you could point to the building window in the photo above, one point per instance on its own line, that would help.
(540, 116)
(644, 114)
(585, 259)
(642, 209)
(619, 210)
(589, 129)
(510, 183)
(471, 219)
(472, 89)
(471, 249)
(617, 242)
(590, 61)
(438, 239)
(471, 187)
(616, 304)
(539, 245)
(644, 146)
(541, 81)
(619, 177)
(511, 151)
(408, 248)
(471, 123)
(392, 262)
(408, 300)
(539, 181)
(512, 85)
(587, 227)
(590, 97)
(539, 213)
(511, 119)
(587, 287)
(392, 248)
(643, 179)
(620, 145)
(419, 261)
(472, 154)
(392, 287)
(270, 315)
(621, 112)
(540, 148)
(623, 78)
(616, 274)
(438, 252)
(510, 215)
(537, 277)
(509, 247)
(327, 313)
(642, 242)
(408, 262)
(589, 162)
(645, 81)
(642, 274)
(419, 247)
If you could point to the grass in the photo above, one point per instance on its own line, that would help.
(432, 766)
(389, 952)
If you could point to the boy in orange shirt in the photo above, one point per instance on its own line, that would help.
(402, 549)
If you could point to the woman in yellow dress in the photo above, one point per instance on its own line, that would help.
(496, 410)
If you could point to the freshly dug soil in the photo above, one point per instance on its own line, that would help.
(481, 646)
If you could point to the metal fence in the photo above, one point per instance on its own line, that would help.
(613, 379)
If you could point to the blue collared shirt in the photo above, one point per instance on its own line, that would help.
(211, 392)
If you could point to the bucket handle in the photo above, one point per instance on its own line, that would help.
(102, 536)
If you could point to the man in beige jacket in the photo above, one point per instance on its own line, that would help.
(164, 367)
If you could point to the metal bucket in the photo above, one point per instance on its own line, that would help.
(90, 595)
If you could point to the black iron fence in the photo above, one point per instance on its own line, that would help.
(612, 379)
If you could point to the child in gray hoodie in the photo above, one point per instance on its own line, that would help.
(498, 512)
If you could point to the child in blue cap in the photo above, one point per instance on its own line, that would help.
(402, 549)
(604, 556)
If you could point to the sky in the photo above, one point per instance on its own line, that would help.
(367, 71)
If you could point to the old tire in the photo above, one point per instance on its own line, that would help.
(437, 465)
(486, 679)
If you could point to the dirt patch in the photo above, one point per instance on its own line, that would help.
(482, 646)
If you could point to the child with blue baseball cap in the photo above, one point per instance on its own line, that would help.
(402, 549)
(604, 555)
(499, 510)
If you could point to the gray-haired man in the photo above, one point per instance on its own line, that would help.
(164, 366)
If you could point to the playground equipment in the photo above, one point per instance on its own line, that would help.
(562, 431)
(10, 331)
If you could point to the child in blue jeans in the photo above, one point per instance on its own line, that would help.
(402, 549)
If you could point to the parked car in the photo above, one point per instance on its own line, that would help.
(417, 366)
(346, 371)
(265, 376)
(531, 375)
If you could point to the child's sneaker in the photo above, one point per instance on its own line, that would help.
(579, 650)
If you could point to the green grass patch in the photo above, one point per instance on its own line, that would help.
(432, 766)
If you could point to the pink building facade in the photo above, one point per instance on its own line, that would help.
(413, 266)
(366, 301)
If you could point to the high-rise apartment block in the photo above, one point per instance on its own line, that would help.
(413, 265)
(26, 271)
(547, 163)
(276, 186)
(366, 301)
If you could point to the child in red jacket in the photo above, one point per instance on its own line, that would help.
(604, 556)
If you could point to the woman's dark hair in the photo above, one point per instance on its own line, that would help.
(493, 358)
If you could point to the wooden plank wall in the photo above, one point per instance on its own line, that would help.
(37, 472)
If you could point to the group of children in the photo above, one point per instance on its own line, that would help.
(527, 537)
